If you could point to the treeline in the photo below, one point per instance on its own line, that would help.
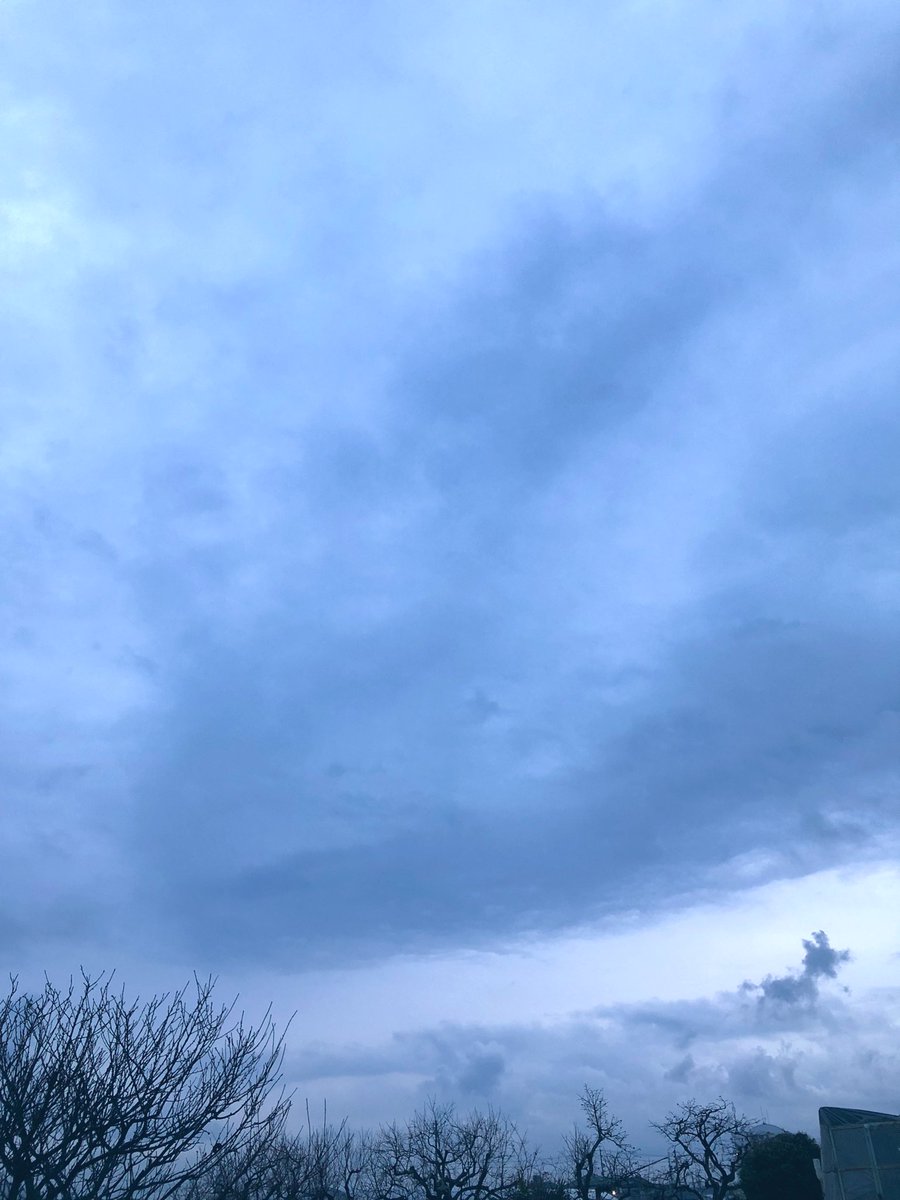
(105, 1098)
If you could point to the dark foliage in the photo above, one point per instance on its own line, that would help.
(781, 1168)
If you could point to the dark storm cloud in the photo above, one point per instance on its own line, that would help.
(323, 755)
(820, 961)
(344, 630)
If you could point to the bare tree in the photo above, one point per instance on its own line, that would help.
(597, 1153)
(320, 1162)
(541, 1184)
(259, 1170)
(336, 1158)
(108, 1098)
(674, 1178)
(356, 1165)
(439, 1155)
(709, 1142)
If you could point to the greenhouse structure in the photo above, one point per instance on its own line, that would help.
(860, 1154)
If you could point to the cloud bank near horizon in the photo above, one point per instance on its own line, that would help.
(777, 1054)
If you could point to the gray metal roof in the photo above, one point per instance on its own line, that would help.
(853, 1116)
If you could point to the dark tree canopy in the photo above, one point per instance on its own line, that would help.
(781, 1168)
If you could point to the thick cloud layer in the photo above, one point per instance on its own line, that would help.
(446, 499)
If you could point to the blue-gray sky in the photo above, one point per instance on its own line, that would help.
(451, 521)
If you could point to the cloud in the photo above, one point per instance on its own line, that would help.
(820, 961)
(766, 1078)
(510, 446)
(386, 574)
(777, 1064)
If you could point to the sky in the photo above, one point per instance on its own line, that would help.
(450, 526)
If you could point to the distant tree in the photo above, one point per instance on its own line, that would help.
(265, 1171)
(440, 1155)
(542, 1185)
(336, 1159)
(596, 1152)
(321, 1163)
(709, 1142)
(781, 1168)
(673, 1180)
(106, 1098)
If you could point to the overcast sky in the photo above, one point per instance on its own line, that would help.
(450, 536)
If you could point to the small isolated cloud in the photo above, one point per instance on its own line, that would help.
(820, 961)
